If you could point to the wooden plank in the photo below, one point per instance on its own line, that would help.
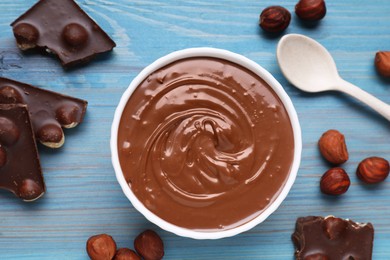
(83, 196)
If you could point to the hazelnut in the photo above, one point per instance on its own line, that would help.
(335, 181)
(333, 147)
(101, 247)
(274, 19)
(75, 35)
(9, 95)
(382, 63)
(317, 256)
(68, 115)
(149, 245)
(9, 131)
(373, 170)
(51, 135)
(310, 10)
(334, 227)
(30, 190)
(26, 35)
(126, 254)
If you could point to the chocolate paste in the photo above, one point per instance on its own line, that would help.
(205, 144)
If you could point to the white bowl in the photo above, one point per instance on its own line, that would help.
(235, 58)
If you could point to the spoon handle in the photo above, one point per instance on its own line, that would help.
(356, 92)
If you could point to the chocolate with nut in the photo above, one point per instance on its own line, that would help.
(48, 110)
(61, 27)
(20, 170)
(332, 238)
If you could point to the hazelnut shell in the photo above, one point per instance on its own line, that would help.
(101, 247)
(382, 63)
(373, 170)
(149, 245)
(274, 19)
(335, 181)
(310, 10)
(333, 147)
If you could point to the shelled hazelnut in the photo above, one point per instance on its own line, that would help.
(382, 63)
(149, 245)
(310, 10)
(274, 19)
(101, 247)
(335, 181)
(373, 170)
(126, 254)
(333, 147)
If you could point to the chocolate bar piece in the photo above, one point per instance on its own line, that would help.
(48, 110)
(63, 28)
(20, 170)
(331, 238)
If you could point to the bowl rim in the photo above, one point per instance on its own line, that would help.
(240, 60)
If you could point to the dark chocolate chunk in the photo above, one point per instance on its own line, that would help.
(319, 238)
(20, 169)
(48, 110)
(62, 27)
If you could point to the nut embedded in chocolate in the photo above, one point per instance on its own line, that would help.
(26, 35)
(68, 115)
(75, 35)
(51, 135)
(30, 190)
(9, 95)
(334, 227)
(318, 256)
(101, 247)
(9, 132)
(149, 245)
(126, 254)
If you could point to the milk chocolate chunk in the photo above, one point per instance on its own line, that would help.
(319, 238)
(48, 110)
(20, 170)
(63, 28)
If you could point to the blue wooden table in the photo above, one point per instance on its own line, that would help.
(83, 197)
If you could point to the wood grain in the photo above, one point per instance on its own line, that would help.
(83, 196)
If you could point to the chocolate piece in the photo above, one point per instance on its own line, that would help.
(332, 238)
(205, 144)
(20, 170)
(64, 28)
(48, 110)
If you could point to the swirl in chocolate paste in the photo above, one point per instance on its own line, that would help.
(205, 144)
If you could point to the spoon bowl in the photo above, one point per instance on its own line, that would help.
(310, 67)
(306, 63)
